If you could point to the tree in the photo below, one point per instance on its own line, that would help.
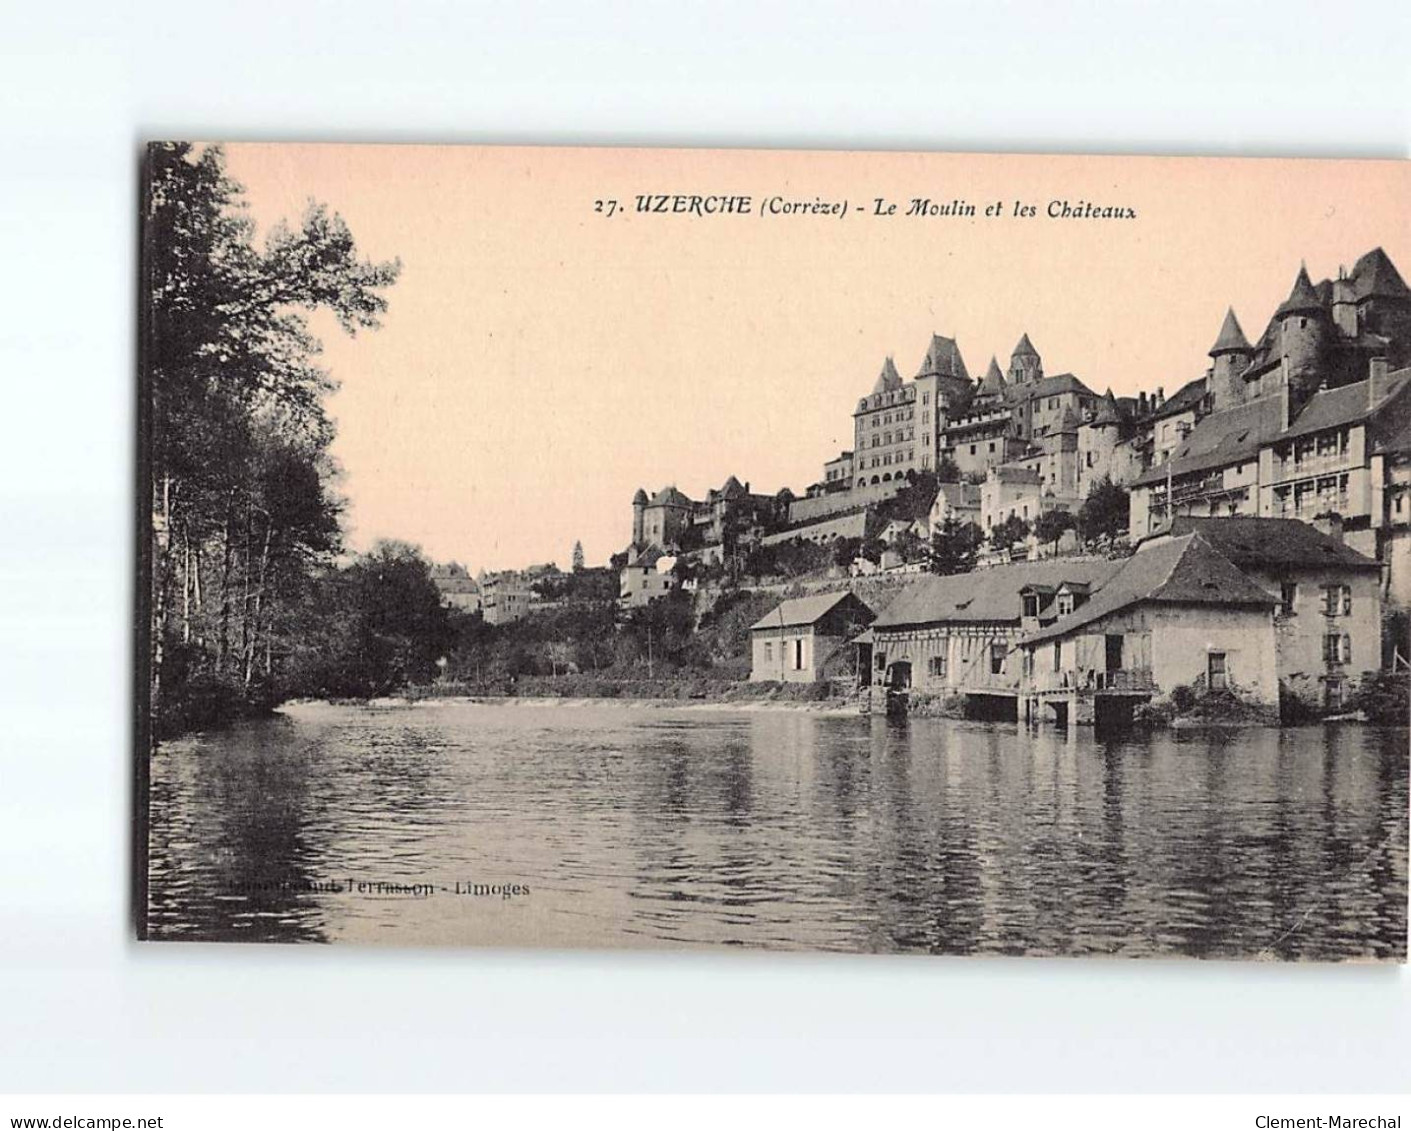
(954, 546)
(1105, 512)
(1052, 525)
(1007, 533)
(578, 557)
(947, 471)
(243, 517)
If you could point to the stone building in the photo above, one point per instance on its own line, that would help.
(646, 577)
(807, 638)
(1346, 453)
(505, 597)
(897, 427)
(956, 634)
(1328, 616)
(1174, 614)
(457, 588)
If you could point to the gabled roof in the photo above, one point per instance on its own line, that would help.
(943, 357)
(1303, 299)
(732, 489)
(1231, 339)
(1186, 398)
(962, 495)
(1260, 543)
(1016, 473)
(1053, 386)
(1223, 438)
(1024, 348)
(993, 384)
(670, 497)
(985, 595)
(806, 610)
(1375, 276)
(1335, 408)
(1184, 571)
(889, 379)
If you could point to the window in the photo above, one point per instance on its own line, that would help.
(997, 652)
(1337, 648)
(1337, 600)
(798, 654)
(1288, 598)
(937, 665)
(769, 650)
(1031, 605)
(1065, 604)
(881, 661)
(1057, 655)
(1217, 671)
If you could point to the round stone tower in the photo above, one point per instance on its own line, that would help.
(1303, 338)
(1230, 355)
(639, 508)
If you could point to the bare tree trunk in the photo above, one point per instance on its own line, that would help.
(223, 643)
(259, 602)
(161, 530)
(185, 585)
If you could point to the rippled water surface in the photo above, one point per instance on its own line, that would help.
(641, 826)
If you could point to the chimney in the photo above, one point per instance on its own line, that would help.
(1330, 524)
(1376, 378)
(1141, 403)
(1160, 397)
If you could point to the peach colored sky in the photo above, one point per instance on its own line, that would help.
(540, 362)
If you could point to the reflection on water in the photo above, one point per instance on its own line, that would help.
(660, 827)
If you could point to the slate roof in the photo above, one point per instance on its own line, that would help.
(1231, 339)
(670, 497)
(943, 357)
(732, 488)
(1049, 387)
(889, 379)
(804, 610)
(1333, 408)
(1185, 570)
(640, 498)
(1024, 348)
(962, 495)
(1223, 438)
(1256, 543)
(1107, 411)
(985, 595)
(1303, 299)
(993, 384)
(1375, 276)
(1187, 397)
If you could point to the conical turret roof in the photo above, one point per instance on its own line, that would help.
(993, 383)
(640, 498)
(732, 488)
(889, 379)
(1025, 348)
(1231, 339)
(1303, 299)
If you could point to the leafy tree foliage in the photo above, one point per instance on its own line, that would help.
(1105, 512)
(1007, 533)
(243, 514)
(1052, 525)
(954, 545)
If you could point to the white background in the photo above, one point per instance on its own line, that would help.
(83, 1008)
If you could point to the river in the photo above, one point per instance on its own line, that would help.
(622, 825)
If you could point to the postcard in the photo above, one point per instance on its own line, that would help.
(862, 552)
